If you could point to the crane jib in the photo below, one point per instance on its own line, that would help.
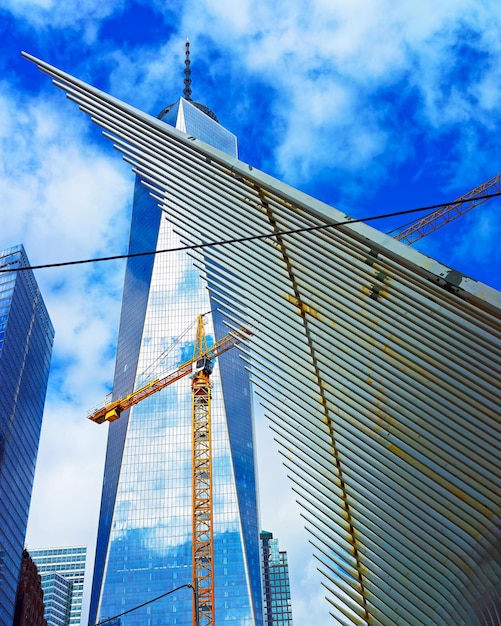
(111, 411)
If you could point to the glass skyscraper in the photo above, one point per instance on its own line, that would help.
(145, 527)
(26, 338)
(276, 583)
(62, 571)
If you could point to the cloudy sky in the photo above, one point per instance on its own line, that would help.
(372, 106)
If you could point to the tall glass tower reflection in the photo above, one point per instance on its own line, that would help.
(144, 537)
(26, 339)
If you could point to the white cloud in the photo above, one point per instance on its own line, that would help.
(67, 490)
(82, 15)
(326, 61)
(63, 198)
(69, 469)
(65, 193)
(137, 78)
(481, 239)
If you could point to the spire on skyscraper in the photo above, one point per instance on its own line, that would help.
(187, 90)
(187, 72)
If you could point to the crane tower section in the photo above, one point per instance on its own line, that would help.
(202, 514)
(200, 366)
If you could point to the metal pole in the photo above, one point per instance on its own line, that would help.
(195, 592)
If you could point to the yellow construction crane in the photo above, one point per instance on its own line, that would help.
(436, 219)
(200, 367)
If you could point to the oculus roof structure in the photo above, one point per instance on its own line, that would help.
(378, 367)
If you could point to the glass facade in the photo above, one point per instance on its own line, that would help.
(62, 571)
(145, 528)
(186, 116)
(276, 585)
(56, 599)
(26, 338)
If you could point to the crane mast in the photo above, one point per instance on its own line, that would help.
(200, 367)
(202, 517)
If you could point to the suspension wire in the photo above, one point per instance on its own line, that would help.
(139, 606)
(145, 374)
(226, 242)
(176, 342)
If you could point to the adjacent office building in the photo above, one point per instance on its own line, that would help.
(30, 598)
(144, 545)
(276, 584)
(57, 599)
(62, 571)
(26, 339)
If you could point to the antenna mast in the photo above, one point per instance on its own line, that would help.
(187, 72)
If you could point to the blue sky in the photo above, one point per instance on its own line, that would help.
(370, 106)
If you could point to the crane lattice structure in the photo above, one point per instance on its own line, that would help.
(200, 367)
(202, 554)
(442, 216)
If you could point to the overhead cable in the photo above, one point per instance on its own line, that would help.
(237, 240)
(140, 606)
